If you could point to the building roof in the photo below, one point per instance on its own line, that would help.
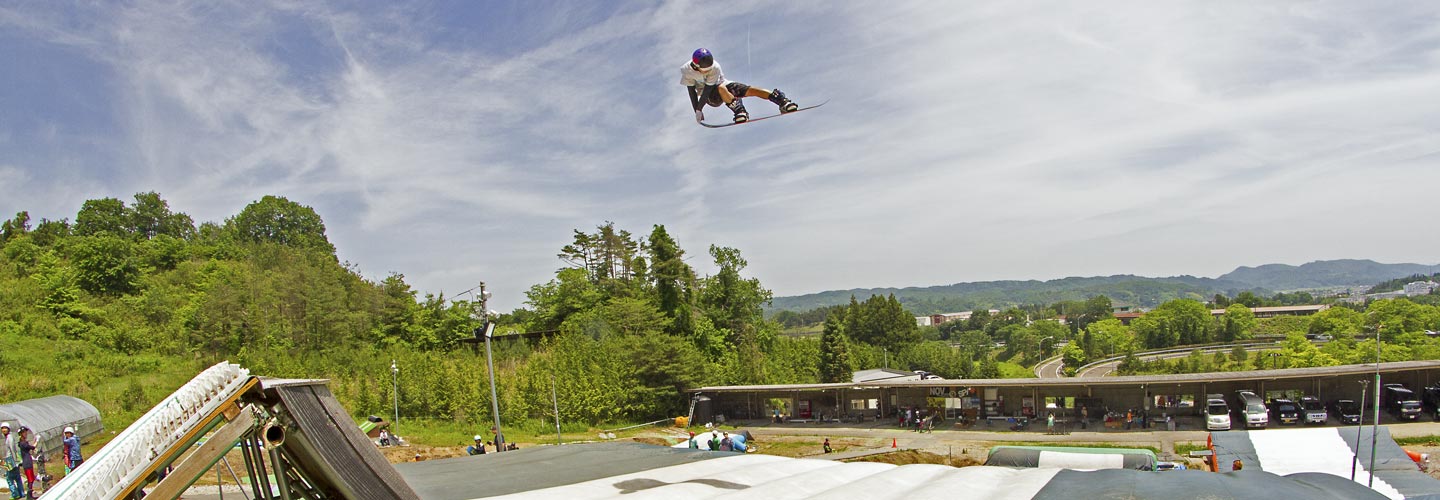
(876, 374)
(1284, 373)
(1280, 309)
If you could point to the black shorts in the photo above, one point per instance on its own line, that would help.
(711, 95)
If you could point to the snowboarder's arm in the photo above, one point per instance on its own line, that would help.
(694, 99)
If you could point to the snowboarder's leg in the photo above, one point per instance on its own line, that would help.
(731, 93)
(713, 96)
(775, 96)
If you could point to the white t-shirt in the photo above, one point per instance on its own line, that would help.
(689, 77)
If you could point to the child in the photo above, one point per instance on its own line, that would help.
(27, 461)
(707, 86)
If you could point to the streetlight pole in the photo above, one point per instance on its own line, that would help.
(1359, 425)
(486, 329)
(1375, 429)
(395, 391)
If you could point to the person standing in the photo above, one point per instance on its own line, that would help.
(10, 456)
(1129, 418)
(1084, 417)
(73, 458)
(27, 460)
(1050, 423)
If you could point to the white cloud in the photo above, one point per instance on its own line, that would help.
(962, 142)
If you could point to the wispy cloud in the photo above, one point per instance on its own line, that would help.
(977, 141)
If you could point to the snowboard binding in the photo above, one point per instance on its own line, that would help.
(741, 116)
(785, 104)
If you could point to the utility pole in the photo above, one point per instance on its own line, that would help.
(487, 327)
(395, 391)
(555, 401)
(1376, 428)
(1359, 425)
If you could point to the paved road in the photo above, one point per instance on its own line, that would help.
(1106, 368)
(1051, 368)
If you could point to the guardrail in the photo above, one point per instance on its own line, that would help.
(1187, 349)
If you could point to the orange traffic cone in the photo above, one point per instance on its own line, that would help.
(893, 444)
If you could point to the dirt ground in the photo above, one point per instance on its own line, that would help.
(907, 457)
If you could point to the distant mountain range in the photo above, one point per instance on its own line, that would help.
(1324, 273)
(1123, 289)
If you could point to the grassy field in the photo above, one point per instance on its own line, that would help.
(1082, 445)
(1418, 441)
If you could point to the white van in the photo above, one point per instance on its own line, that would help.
(1256, 415)
(1217, 413)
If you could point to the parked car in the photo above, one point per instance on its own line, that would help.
(1252, 409)
(1430, 400)
(1314, 411)
(1401, 402)
(1346, 410)
(1285, 411)
(1217, 413)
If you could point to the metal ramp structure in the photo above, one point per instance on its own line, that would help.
(295, 440)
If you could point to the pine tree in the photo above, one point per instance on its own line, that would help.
(834, 353)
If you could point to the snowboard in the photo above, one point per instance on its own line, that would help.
(753, 120)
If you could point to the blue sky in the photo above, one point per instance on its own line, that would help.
(461, 141)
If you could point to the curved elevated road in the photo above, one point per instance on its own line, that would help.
(1054, 367)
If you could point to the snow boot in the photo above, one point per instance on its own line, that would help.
(778, 97)
(741, 116)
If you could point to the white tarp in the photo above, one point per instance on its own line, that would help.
(1288, 451)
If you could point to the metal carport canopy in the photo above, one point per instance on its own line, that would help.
(1195, 378)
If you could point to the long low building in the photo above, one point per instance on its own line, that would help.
(1034, 397)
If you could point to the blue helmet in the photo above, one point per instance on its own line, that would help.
(702, 58)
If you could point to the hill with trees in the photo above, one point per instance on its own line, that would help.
(1126, 289)
(130, 299)
(1123, 289)
(1324, 273)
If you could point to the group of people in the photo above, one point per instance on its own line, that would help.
(916, 419)
(719, 441)
(21, 456)
(480, 447)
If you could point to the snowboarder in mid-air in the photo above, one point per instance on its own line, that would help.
(707, 86)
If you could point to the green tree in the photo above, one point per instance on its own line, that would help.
(1112, 336)
(275, 219)
(733, 302)
(104, 215)
(1177, 322)
(1249, 299)
(835, 363)
(1393, 317)
(1238, 323)
(106, 264)
(1338, 322)
(14, 227)
(150, 216)
(1073, 356)
(670, 273)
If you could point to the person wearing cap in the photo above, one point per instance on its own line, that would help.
(693, 445)
(10, 456)
(476, 449)
(27, 462)
(73, 458)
